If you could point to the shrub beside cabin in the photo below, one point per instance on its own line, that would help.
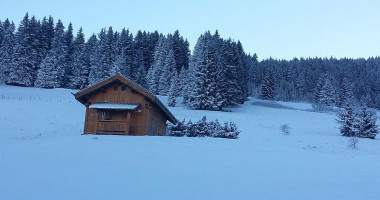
(121, 107)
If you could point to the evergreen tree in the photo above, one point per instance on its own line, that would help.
(155, 70)
(105, 58)
(181, 82)
(117, 66)
(181, 51)
(79, 66)
(68, 46)
(50, 73)
(185, 84)
(325, 93)
(52, 69)
(203, 90)
(165, 76)
(2, 33)
(172, 91)
(268, 87)
(231, 93)
(7, 49)
(345, 92)
(366, 123)
(347, 120)
(242, 72)
(47, 34)
(92, 56)
(24, 65)
(126, 56)
(138, 73)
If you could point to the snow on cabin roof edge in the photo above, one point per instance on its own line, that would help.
(114, 106)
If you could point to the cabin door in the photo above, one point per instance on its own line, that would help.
(91, 123)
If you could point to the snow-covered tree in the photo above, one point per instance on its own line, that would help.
(325, 93)
(117, 66)
(52, 68)
(46, 34)
(79, 67)
(166, 75)
(24, 65)
(172, 91)
(92, 56)
(138, 73)
(203, 89)
(347, 119)
(366, 123)
(345, 92)
(7, 49)
(68, 46)
(50, 74)
(268, 87)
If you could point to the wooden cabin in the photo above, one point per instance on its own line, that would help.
(119, 106)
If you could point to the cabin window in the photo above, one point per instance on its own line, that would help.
(123, 88)
(104, 115)
(116, 88)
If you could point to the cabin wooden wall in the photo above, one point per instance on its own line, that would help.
(138, 120)
(156, 122)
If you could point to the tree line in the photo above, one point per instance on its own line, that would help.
(217, 74)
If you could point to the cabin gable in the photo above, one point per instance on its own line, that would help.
(116, 93)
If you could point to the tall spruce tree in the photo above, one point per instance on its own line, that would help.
(166, 75)
(155, 70)
(92, 56)
(325, 93)
(105, 56)
(138, 73)
(345, 92)
(366, 122)
(79, 67)
(126, 53)
(203, 91)
(24, 65)
(52, 69)
(47, 34)
(347, 119)
(7, 49)
(268, 87)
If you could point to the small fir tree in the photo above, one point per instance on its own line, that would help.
(346, 119)
(172, 93)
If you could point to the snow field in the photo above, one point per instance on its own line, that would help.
(44, 156)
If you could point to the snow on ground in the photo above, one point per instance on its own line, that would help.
(44, 156)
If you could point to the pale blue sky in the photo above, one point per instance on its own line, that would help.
(281, 29)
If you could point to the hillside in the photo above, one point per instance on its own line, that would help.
(44, 156)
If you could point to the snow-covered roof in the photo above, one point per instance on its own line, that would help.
(114, 106)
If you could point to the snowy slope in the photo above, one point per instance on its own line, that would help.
(44, 156)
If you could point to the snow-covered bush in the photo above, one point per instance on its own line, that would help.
(285, 129)
(229, 130)
(353, 142)
(202, 128)
(190, 129)
(177, 130)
